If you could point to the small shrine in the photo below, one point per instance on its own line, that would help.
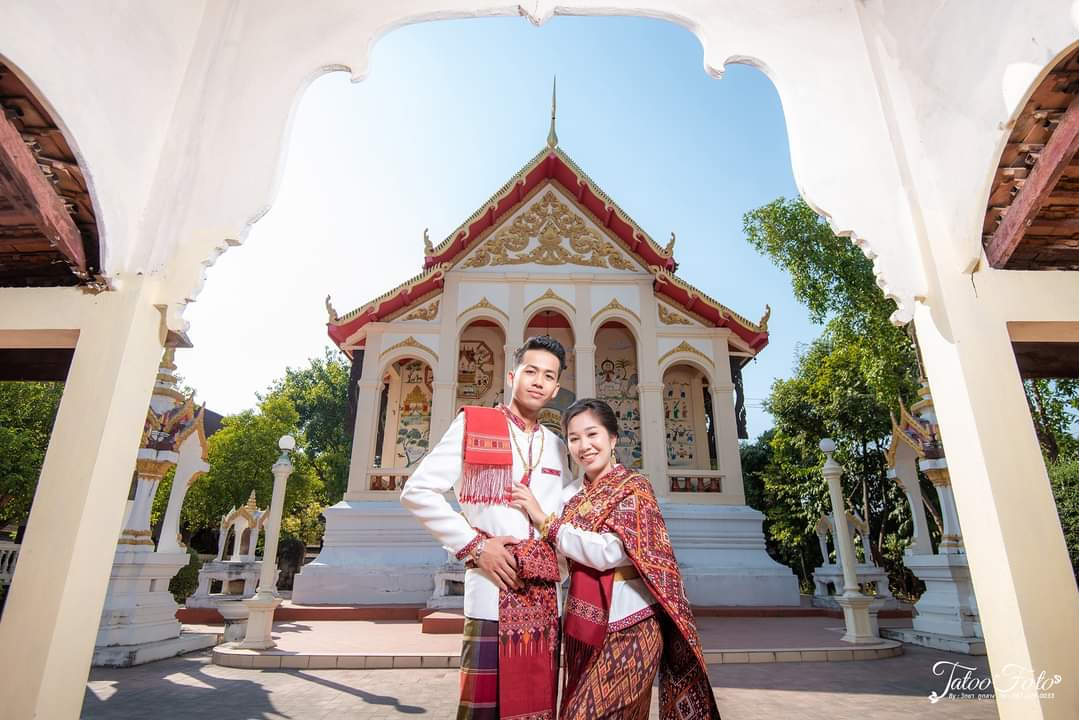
(946, 615)
(549, 253)
(828, 578)
(138, 622)
(235, 570)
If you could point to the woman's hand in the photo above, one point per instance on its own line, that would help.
(525, 501)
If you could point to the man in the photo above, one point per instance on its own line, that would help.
(509, 658)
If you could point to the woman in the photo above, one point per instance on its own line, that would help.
(627, 616)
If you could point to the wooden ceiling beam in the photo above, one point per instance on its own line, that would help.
(1052, 162)
(50, 213)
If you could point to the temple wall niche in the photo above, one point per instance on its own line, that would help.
(617, 376)
(685, 418)
(406, 422)
(480, 366)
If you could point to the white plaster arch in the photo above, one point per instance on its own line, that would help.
(194, 233)
(631, 322)
(413, 352)
(550, 305)
(685, 358)
(471, 316)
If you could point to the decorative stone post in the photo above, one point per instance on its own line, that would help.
(860, 627)
(261, 607)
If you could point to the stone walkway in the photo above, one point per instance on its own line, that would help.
(190, 687)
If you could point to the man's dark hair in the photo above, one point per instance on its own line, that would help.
(541, 342)
(600, 409)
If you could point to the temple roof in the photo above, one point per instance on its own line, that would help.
(552, 165)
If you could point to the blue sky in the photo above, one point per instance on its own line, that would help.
(449, 111)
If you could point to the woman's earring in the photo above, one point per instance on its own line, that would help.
(614, 458)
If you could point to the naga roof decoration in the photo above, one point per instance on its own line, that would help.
(919, 432)
(552, 165)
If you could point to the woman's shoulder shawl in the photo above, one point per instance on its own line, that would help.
(637, 521)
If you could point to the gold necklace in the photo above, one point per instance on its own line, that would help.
(529, 467)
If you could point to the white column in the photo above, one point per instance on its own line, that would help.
(585, 365)
(261, 607)
(654, 438)
(366, 428)
(728, 455)
(444, 387)
(188, 470)
(136, 534)
(515, 330)
(584, 350)
(855, 605)
(905, 473)
(55, 601)
(951, 537)
(1018, 560)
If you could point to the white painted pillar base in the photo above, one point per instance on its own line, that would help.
(861, 626)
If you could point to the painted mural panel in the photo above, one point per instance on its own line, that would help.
(616, 383)
(678, 418)
(414, 425)
(475, 369)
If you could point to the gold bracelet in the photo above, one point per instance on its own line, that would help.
(546, 525)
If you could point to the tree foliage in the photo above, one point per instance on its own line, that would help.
(845, 386)
(241, 454)
(27, 413)
(319, 392)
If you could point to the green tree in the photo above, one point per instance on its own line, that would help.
(845, 386)
(241, 454)
(27, 413)
(319, 392)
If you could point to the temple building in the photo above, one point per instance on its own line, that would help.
(549, 254)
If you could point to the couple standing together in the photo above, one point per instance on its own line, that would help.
(525, 523)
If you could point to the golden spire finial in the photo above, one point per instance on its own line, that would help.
(552, 136)
(251, 504)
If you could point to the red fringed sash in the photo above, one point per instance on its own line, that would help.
(622, 502)
(487, 470)
(528, 636)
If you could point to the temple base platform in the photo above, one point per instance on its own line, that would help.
(375, 553)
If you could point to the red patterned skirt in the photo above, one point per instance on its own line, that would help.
(617, 682)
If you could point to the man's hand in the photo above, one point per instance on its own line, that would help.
(498, 562)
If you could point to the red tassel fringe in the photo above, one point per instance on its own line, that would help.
(486, 484)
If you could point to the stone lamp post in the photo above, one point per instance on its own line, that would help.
(261, 607)
(860, 626)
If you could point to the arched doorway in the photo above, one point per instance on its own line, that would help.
(552, 322)
(617, 376)
(481, 364)
(688, 418)
(404, 422)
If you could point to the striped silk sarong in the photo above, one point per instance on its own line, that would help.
(479, 671)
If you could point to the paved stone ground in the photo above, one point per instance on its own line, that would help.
(190, 688)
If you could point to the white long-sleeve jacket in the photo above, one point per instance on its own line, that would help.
(631, 600)
(440, 471)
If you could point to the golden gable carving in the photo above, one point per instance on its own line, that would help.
(551, 222)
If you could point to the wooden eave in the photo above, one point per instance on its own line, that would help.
(48, 230)
(1032, 216)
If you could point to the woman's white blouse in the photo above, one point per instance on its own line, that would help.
(631, 600)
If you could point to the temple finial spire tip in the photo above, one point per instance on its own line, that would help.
(552, 136)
